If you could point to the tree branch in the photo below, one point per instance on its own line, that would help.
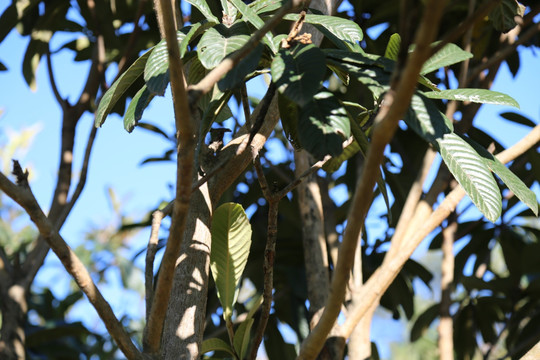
(24, 197)
(62, 102)
(503, 53)
(383, 276)
(184, 177)
(394, 106)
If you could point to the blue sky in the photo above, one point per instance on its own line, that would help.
(116, 158)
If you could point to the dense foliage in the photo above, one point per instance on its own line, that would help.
(328, 96)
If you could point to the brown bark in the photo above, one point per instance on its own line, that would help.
(446, 325)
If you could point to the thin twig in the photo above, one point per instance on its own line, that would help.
(383, 276)
(122, 64)
(269, 256)
(184, 177)
(82, 179)
(245, 105)
(465, 25)
(502, 54)
(395, 104)
(24, 197)
(415, 193)
(62, 102)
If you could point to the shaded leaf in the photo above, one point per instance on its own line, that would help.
(242, 337)
(120, 86)
(448, 55)
(2, 66)
(323, 125)
(426, 120)
(220, 41)
(203, 7)
(518, 119)
(482, 96)
(246, 66)
(422, 323)
(215, 344)
(298, 72)
(503, 15)
(231, 240)
(472, 173)
(13, 14)
(288, 111)
(136, 108)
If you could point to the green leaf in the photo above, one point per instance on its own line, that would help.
(220, 41)
(3, 67)
(289, 120)
(136, 108)
(472, 173)
(246, 66)
(215, 344)
(426, 120)
(392, 48)
(242, 337)
(14, 13)
(482, 96)
(298, 72)
(156, 71)
(424, 321)
(518, 119)
(120, 86)
(323, 125)
(334, 163)
(203, 7)
(251, 16)
(523, 193)
(503, 15)
(264, 6)
(231, 241)
(344, 33)
(448, 55)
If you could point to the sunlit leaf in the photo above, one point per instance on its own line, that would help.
(526, 195)
(448, 55)
(251, 16)
(231, 241)
(482, 96)
(392, 48)
(220, 41)
(120, 86)
(344, 33)
(472, 173)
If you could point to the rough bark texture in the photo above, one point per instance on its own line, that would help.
(315, 251)
(182, 329)
(184, 324)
